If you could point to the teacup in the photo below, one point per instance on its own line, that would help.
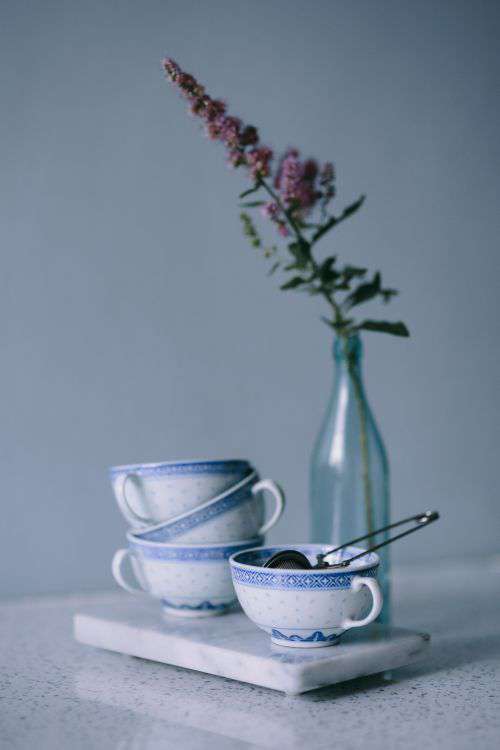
(149, 494)
(238, 513)
(192, 580)
(307, 608)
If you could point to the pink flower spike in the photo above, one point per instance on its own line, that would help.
(212, 130)
(296, 180)
(171, 68)
(219, 126)
(249, 136)
(196, 107)
(230, 130)
(270, 210)
(259, 161)
(213, 109)
(236, 158)
(310, 170)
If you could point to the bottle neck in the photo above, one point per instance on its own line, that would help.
(347, 354)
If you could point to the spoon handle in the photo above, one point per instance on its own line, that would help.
(421, 520)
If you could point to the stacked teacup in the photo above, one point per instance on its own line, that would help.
(186, 519)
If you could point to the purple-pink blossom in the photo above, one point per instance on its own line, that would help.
(220, 126)
(259, 160)
(271, 210)
(274, 212)
(299, 184)
(296, 182)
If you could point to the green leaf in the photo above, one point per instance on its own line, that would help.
(301, 252)
(326, 271)
(351, 272)
(383, 326)
(249, 230)
(364, 292)
(252, 204)
(274, 268)
(250, 191)
(350, 210)
(324, 229)
(293, 283)
(334, 220)
(387, 294)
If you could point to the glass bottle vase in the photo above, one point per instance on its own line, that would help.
(349, 479)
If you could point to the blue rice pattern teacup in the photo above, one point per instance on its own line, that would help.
(237, 513)
(307, 608)
(191, 580)
(149, 494)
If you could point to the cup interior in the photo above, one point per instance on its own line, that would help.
(254, 559)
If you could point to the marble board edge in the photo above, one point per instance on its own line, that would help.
(291, 678)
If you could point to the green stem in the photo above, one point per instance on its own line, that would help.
(339, 322)
(363, 440)
(328, 296)
(285, 212)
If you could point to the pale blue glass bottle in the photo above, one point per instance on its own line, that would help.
(349, 477)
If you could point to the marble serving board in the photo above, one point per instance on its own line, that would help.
(231, 646)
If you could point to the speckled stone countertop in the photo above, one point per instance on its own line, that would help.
(56, 693)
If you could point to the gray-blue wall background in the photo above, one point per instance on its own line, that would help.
(138, 325)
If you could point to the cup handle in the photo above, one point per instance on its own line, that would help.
(357, 583)
(278, 496)
(116, 568)
(132, 517)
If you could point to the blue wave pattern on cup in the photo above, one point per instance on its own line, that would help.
(169, 531)
(317, 637)
(205, 606)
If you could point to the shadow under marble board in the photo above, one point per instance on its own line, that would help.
(231, 646)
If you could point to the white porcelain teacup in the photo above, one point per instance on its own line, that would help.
(307, 608)
(237, 513)
(192, 580)
(149, 494)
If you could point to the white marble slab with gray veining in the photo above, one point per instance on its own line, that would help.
(231, 646)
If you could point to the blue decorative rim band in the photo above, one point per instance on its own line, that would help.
(187, 554)
(316, 637)
(270, 578)
(170, 531)
(203, 607)
(184, 468)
